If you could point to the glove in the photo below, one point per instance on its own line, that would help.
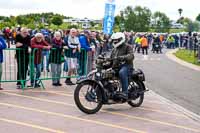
(108, 59)
(121, 58)
(65, 47)
(100, 57)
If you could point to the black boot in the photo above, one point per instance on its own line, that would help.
(59, 84)
(69, 82)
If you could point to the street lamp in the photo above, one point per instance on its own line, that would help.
(180, 11)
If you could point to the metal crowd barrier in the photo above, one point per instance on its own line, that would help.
(20, 66)
(60, 59)
(15, 66)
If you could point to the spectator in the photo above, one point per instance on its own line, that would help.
(171, 42)
(72, 54)
(67, 32)
(85, 44)
(22, 56)
(99, 44)
(144, 44)
(95, 43)
(106, 45)
(13, 38)
(138, 43)
(7, 34)
(2, 46)
(55, 58)
(45, 52)
(38, 43)
(198, 48)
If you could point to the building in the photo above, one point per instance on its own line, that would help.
(175, 25)
(85, 22)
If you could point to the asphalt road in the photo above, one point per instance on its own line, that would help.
(171, 80)
(53, 110)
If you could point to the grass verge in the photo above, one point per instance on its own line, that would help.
(187, 56)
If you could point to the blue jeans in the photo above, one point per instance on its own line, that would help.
(172, 45)
(45, 53)
(123, 76)
(37, 73)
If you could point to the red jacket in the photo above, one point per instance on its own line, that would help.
(38, 53)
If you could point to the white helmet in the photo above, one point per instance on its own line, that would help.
(118, 39)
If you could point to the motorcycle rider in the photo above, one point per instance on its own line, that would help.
(156, 41)
(123, 59)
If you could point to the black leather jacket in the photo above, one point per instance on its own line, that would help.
(122, 53)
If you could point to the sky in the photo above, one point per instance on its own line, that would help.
(94, 9)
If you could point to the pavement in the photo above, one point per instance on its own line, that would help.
(53, 110)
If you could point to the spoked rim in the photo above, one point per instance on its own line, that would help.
(88, 97)
(139, 97)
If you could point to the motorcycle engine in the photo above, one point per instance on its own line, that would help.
(111, 86)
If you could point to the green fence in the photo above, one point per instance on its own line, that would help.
(21, 67)
(15, 66)
(59, 62)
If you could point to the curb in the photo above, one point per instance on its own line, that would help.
(170, 55)
(177, 107)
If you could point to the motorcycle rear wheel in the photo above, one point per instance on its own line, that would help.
(140, 98)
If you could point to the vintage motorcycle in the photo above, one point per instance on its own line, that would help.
(102, 86)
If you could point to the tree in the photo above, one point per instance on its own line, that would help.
(137, 19)
(73, 26)
(57, 20)
(196, 26)
(161, 22)
(180, 11)
(31, 25)
(118, 20)
(191, 25)
(92, 23)
(19, 20)
(198, 18)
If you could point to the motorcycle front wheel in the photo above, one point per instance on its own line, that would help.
(88, 97)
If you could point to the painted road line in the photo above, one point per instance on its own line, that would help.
(117, 114)
(63, 103)
(63, 93)
(155, 121)
(36, 91)
(71, 95)
(38, 99)
(31, 125)
(142, 108)
(72, 117)
(67, 104)
(161, 112)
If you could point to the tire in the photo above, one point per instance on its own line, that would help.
(140, 97)
(77, 99)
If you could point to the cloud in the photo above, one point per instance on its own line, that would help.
(95, 8)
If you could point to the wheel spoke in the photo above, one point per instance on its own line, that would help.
(84, 91)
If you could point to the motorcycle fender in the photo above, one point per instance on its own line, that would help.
(145, 89)
(138, 75)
